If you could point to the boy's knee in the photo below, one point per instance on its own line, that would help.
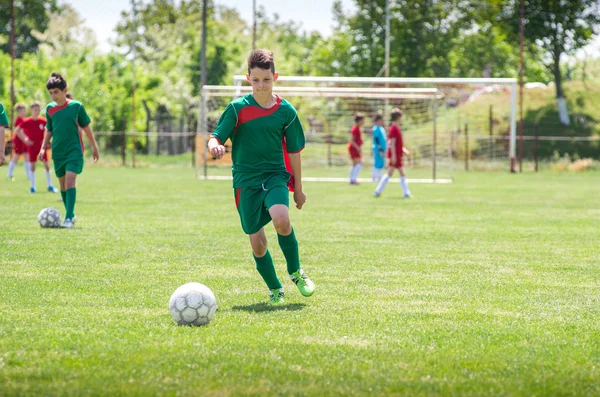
(282, 224)
(259, 249)
(259, 245)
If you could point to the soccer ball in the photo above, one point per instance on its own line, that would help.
(193, 304)
(49, 217)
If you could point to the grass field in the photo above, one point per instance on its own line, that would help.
(488, 286)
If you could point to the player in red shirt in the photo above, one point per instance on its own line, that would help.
(395, 151)
(18, 146)
(354, 148)
(31, 130)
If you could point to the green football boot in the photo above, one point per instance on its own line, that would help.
(276, 296)
(304, 284)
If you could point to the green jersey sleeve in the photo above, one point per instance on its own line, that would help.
(226, 125)
(3, 118)
(48, 119)
(294, 134)
(82, 117)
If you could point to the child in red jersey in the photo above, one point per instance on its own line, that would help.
(395, 151)
(354, 148)
(18, 145)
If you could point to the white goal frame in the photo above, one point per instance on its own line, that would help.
(328, 92)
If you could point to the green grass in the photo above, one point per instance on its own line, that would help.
(488, 286)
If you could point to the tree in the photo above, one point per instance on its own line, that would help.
(30, 15)
(558, 27)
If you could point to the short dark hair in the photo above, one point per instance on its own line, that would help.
(396, 114)
(377, 117)
(56, 81)
(358, 117)
(262, 59)
(69, 96)
(20, 106)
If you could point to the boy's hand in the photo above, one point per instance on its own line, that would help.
(29, 142)
(2, 159)
(299, 198)
(394, 160)
(218, 151)
(95, 154)
(41, 155)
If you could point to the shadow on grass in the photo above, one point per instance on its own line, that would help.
(266, 307)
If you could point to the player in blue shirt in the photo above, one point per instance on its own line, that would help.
(379, 147)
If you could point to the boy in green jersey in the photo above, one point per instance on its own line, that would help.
(63, 118)
(3, 124)
(263, 129)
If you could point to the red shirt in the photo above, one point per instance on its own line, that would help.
(357, 135)
(395, 133)
(34, 129)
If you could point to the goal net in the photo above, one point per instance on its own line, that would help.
(431, 124)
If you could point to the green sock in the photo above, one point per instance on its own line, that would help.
(289, 246)
(266, 269)
(71, 197)
(63, 194)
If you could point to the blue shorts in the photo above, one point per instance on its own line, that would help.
(378, 159)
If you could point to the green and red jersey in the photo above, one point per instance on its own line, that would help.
(64, 121)
(261, 138)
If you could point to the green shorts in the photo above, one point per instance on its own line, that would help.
(253, 203)
(70, 164)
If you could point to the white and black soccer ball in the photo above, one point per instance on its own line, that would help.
(49, 217)
(193, 304)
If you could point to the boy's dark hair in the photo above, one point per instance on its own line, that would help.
(377, 117)
(396, 114)
(20, 106)
(35, 104)
(56, 81)
(262, 59)
(69, 96)
(358, 117)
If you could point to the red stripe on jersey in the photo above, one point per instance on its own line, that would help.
(58, 108)
(249, 113)
(288, 165)
(237, 197)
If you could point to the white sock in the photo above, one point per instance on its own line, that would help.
(48, 178)
(384, 180)
(32, 178)
(374, 174)
(357, 168)
(27, 165)
(11, 168)
(404, 185)
(351, 172)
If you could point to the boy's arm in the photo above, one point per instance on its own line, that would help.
(216, 149)
(354, 143)
(296, 164)
(90, 136)
(21, 134)
(224, 131)
(404, 150)
(47, 137)
(2, 143)
(393, 149)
